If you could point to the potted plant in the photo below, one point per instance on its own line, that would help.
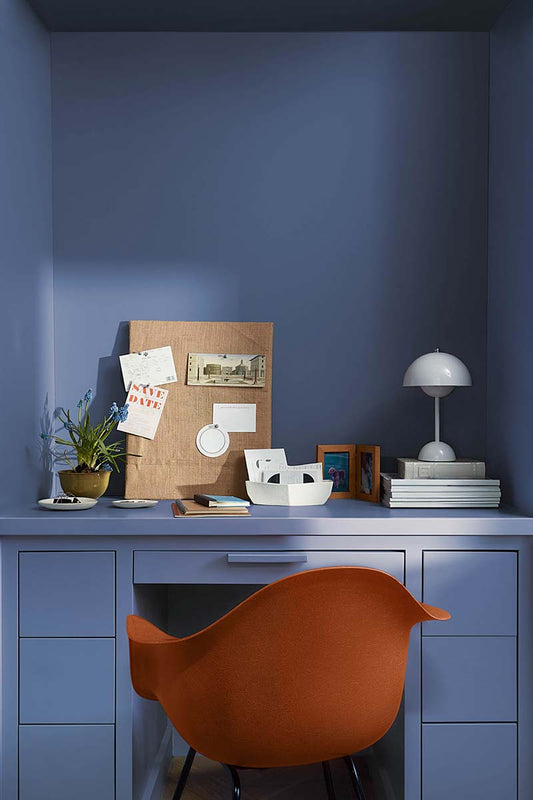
(90, 458)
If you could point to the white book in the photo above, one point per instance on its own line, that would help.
(443, 495)
(391, 479)
(387, 500)
(462, 468)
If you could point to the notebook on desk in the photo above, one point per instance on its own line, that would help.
(190, 508)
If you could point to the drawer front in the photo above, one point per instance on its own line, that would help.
(66, 761)
(173, 566)
(67, 594)
(67, 681)
(479, 589)
(469, 762)
(469, 679)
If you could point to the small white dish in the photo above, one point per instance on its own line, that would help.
(134, 503)
(84, 504)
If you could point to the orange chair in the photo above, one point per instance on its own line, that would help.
(309, 668)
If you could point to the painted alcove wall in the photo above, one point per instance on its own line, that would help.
(510, 341)
(26, 321)
(335, 184)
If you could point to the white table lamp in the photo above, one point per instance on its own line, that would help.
(437, 374)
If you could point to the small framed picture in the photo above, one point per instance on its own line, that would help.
(338, 462)
(367, 473)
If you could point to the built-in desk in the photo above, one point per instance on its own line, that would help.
(72, 727)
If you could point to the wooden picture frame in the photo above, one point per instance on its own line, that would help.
(337, 460)
(367, 473)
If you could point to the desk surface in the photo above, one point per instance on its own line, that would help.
(348, 517)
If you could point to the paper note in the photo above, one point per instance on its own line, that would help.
(145, 406)
(256, 457)
(150, 367)
(235, 417)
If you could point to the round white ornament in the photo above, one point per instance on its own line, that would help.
(212, 441)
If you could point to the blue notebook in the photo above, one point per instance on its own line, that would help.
(219, 500)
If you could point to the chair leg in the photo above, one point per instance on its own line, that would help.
(328, 780)
(356, 781)
(184, 774)
(236, 781)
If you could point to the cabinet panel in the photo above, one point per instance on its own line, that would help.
(67, 680)
(469, 762)
(469, 679)
(66, 761)
(477, 588)
(67, 594)
(173, 566)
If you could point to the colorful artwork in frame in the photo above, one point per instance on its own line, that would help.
(338, 462)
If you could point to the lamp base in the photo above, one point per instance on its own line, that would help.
(436, 451)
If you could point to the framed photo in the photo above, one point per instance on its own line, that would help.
(367, 473)
(338, 465)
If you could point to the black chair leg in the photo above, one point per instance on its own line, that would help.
(236, 782)
(328, 780)
(184, 774)
(356, 781)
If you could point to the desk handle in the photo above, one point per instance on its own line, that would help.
(267, 558)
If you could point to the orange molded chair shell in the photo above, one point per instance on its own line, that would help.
(309, 668)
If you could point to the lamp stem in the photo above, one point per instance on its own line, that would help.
(437, 419)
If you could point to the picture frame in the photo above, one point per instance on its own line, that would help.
(367, 473)
(338, 464)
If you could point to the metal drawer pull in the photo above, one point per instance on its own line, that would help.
(267, 558)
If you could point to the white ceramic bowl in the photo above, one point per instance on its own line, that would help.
(289, 494)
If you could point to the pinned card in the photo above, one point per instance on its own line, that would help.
(148, 367)
(145, 406)
(235, 417)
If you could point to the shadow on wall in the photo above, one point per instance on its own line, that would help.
(39, 457)
(109, 388)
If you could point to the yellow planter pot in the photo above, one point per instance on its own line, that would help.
(84, 484)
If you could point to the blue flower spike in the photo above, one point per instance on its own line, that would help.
(79, 404)
(88, 395)
(107, 468)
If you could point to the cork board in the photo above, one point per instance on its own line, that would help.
(171, 465)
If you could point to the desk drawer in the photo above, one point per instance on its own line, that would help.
(67, 594)
(478, 588)
(174, 566)
(469, 762)
(63, 762)
(469, 679)
(67, 681)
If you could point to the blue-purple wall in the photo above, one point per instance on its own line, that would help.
(335, 184)
(26, 324)
(510, 317)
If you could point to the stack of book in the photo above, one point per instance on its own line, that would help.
(450, 484)
(211, 505)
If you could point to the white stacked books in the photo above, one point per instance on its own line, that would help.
(462, 468)
(439, 492)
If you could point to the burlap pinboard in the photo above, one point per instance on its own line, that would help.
(171, 465)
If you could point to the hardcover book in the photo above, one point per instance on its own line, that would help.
(462, 468)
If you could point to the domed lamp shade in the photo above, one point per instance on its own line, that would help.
(437, 374)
